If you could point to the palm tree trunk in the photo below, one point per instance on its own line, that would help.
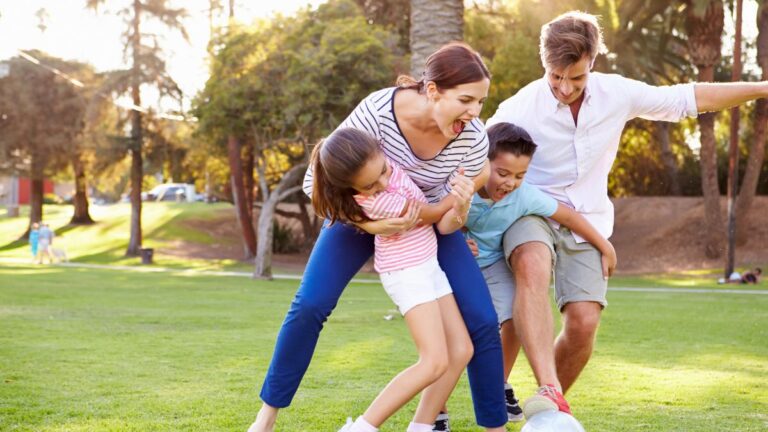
(238, 195)
(137, 162)
(704, 44)
(757, 147)
(661, 134)
(433, 24)
(81, 215)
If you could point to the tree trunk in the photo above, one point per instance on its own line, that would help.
(239, 196)
(81, 215)
(661, 134)
(137, 139)
(757, 147)
(263, 265)
(433, 24)
(248, 162)
(310, 224)
(36, 178)
(704, 45)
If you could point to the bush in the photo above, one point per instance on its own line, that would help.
(50, 198)
(284, 239)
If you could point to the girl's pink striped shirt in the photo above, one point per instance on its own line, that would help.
(406, 249)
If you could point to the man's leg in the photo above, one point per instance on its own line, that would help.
(510, 345)
(532, 264)
(580, 291)
(574, 344)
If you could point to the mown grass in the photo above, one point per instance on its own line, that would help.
(104, 350)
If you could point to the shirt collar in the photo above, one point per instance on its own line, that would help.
(553, 104)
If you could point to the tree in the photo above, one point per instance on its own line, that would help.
(147, 67)
(756, 154)
(433, 24)
(704, 25)
(43, 118)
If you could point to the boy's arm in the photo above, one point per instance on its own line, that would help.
(568, 217)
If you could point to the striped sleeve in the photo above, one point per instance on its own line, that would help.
(474, 161)
(384, 205)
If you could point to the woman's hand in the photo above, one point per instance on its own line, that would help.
(387, 227)
(462, 188)
(608, 259)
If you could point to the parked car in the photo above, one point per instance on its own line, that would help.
(179, 192)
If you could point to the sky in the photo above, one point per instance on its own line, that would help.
(75, 33)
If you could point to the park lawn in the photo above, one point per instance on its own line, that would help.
(105, 350)
(106, 241)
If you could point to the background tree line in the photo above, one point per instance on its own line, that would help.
(276, 86)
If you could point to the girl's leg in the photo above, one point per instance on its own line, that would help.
(459, 353)
(338, 254)
(427, 331)
(485, 370)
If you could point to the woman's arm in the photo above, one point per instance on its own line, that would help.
(568, 217)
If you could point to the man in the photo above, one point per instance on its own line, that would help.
(576, 117)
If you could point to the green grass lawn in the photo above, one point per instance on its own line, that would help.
(105, 242)
(104, 350)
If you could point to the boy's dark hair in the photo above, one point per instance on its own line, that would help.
(758, 270)
(509, 138)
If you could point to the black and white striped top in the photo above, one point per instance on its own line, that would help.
(375, 115)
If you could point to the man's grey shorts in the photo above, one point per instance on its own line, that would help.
(578, 270)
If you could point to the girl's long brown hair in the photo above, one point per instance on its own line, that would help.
(335, 160)
(452, 65)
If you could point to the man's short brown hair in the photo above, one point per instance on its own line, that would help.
(568, 38)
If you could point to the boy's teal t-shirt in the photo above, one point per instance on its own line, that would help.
(486, 222)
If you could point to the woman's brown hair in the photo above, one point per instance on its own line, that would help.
(452, 65)
(335, 160)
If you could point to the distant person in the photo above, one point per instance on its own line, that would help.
(750, 276)
(34, 238)
(44, 242)
(577, 117)
(354, 182)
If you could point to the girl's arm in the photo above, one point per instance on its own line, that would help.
(431, 213)
(568, 217)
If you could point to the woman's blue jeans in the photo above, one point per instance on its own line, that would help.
(339, 253)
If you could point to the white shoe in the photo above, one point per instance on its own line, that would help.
(348, 426)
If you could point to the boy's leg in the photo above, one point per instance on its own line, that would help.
(485, 370)
(338, 254)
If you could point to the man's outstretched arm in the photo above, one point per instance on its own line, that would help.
(718, 96)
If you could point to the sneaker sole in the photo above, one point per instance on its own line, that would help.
(515, 418)
(536, 404)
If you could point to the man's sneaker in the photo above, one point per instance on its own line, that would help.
(441, 423)
(514, 413)
(548, 398)
(347, 426)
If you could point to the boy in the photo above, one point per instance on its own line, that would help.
(503, 200)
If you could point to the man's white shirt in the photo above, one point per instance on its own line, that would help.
(572, 161)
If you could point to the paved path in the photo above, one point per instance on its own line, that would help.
(285, 276)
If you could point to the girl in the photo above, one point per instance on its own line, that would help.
(430, 128)
(354, 182)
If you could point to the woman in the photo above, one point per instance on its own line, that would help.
(430, 128)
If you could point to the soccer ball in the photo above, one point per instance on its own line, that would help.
(552, 421)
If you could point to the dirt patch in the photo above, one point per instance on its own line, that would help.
(652, 235)
(662, 234)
